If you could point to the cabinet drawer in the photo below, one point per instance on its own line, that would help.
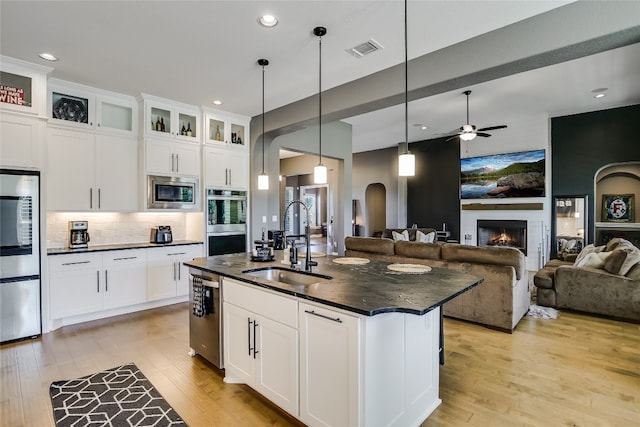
(75, 262)
(131, 256)
(275, 307)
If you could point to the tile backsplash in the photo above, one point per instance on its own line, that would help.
(110, 228)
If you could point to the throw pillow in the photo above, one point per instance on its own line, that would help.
(425, 237)
(594, 260)
(622, 260)
(400, 236)
(589, 249)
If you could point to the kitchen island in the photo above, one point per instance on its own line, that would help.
(354, 345)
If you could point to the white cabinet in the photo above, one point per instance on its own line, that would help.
(329, 360)
(167, 277)
(164, 118)
(20, 140)
(226, 168)
(91, 171)
(90, 282)
(226, 129)
(170, 157)
(82, 107)
(261, 342)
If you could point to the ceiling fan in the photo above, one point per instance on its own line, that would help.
(468, 132)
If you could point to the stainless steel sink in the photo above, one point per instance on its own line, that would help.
(290, 277)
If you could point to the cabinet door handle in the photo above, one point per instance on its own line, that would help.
(106, 281)
(98, 281)
(90, 198)
(336, 319)
(177, 253)
(178, 268)
(77, 262)
(249, 322)
(172, 162)
(177, 162)
(174, 271)
(255, 350)
(229, 176)
(99, 199)
(124, 258)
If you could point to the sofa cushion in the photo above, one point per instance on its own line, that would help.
(486, 255)
(621, 260)
(370, 244)
(404, 236)
(412, 232)
(419, 250)
(593, 260)
(616, 243)
(425, 237)
(589, 249)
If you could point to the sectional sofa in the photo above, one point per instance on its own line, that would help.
(499, 302)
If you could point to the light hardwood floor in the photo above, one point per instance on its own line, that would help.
(577, 370)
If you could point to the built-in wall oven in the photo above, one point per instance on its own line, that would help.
(226, 221)
(19, 254)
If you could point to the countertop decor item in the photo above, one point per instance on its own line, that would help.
(351, 260)
(409, 268)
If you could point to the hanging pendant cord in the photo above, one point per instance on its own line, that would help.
(263, 120)
(320, 96)
(406, 84)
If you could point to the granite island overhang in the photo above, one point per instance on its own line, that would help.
(357, 347)
(367, 289)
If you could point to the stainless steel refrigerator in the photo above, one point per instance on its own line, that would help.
(20, 315)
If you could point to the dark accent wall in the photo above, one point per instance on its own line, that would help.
(583, 143)
(433, 194)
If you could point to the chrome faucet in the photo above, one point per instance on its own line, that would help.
(307, 236)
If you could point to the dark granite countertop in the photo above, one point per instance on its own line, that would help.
(367, 289)
(118, 246)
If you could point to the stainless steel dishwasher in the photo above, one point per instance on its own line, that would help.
(205, 317)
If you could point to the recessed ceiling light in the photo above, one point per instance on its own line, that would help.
(47, 56)
(268, 21)
(600, 92)
(217, 102)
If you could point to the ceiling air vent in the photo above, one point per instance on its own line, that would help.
(365, 48)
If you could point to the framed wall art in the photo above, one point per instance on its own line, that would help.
(618, 208)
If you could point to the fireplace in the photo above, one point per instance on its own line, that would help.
(508, 232)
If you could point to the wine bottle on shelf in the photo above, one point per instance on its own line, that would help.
(183, 131)
(188, 131)
(218, 137)
(153, 125)
(162, 128)
(158, 125)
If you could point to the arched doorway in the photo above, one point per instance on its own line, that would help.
(375, 200)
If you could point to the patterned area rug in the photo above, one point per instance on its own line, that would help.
(120, 396)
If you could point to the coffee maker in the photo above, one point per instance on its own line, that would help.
(78, 234)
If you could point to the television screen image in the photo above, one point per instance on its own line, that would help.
(503, 175)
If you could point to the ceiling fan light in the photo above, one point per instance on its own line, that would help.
(320, 174)
(263, 182)
(406, 164)
(468, 136)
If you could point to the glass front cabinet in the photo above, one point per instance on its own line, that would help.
(222, 128)
(81, 107)
(168, 119)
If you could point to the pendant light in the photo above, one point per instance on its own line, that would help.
(320, 171)
(263, 178)
(406, 160)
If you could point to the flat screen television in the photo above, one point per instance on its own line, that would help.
(496, 176)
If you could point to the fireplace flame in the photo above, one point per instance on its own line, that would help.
(502, 239)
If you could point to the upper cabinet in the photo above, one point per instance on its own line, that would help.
(226, 129)
(169, 119)
(81, 107)
(23, 87)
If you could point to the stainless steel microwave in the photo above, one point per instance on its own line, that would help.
(170, 192)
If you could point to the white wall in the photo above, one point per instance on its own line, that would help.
(531, 133)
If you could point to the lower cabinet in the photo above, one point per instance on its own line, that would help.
(261, 342)
(89, 282)
(167, 276)
(329, 355)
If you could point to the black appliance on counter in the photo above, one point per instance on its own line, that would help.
(78, 234)
(278, 239)
(161, 234)
(205, 319)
